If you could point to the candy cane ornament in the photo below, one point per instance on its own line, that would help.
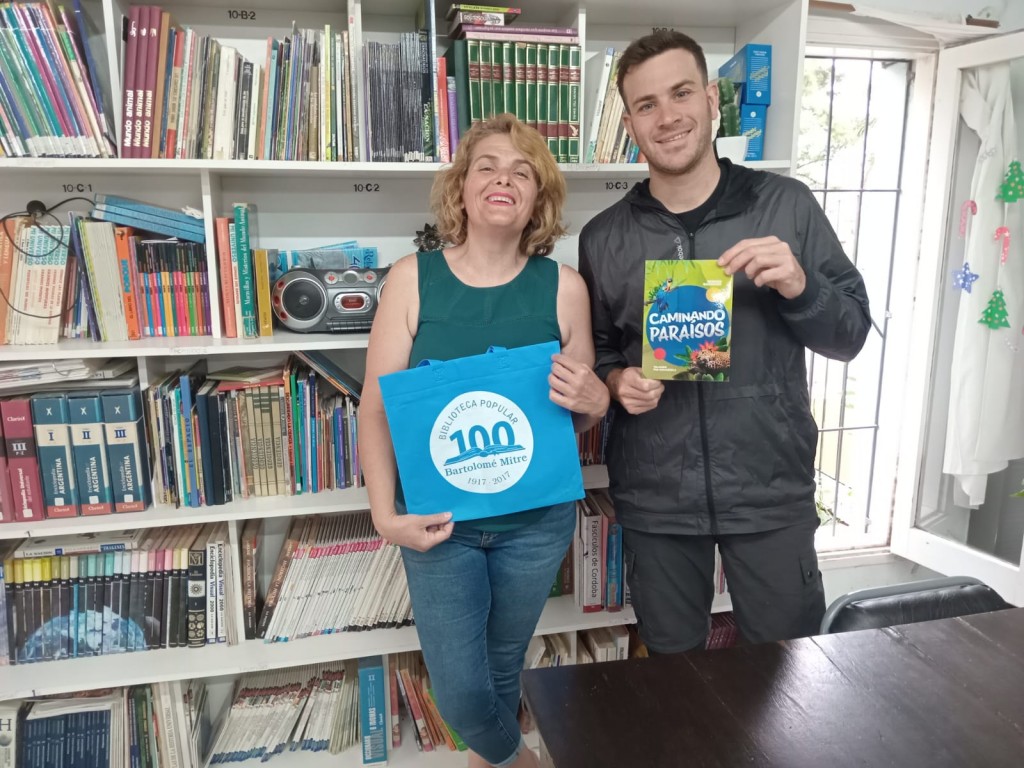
(969, 207)
(1004, 233)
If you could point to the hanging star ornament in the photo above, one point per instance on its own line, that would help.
(963, 278)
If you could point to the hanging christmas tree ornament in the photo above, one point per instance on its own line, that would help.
(1012, 188)
(963, 278)
(969, 207)
(1004, 233)
(995, 315)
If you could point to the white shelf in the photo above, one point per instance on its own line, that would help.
(293, 169)
(160, 515)
(199, 346)
(50, 677)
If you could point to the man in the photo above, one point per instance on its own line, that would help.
(695, 464)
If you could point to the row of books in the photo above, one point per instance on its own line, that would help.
(333, 574)
(81, 596)
(128, 270)
(192, 439)
(331, 707)
(531, 72)
(319, 94)
(164, 724)
(247, 272)
(38, 376)
(275, 714)
(593, 569)
(592, 645)
(596, 551)
(239, 433)
(51, 103)
(62, 456)
(607, 140)
(187, 95)
(33, 281)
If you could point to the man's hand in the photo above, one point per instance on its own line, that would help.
(637, 394)
(419, 532)
(766, 261)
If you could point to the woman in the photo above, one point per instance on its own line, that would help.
(478, 587)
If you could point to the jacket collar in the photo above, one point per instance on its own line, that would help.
(739, 196)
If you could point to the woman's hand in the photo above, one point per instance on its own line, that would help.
(575, 386)
(419, 532)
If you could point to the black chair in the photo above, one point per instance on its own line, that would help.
(915, 601)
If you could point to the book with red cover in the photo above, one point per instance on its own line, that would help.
(6, 494)
(131, 49)
(22, 464)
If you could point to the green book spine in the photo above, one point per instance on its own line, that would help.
(245, 277)
(486, 81)
(553, 100)
(475, 103)
(519, 81)
(563, 104)
(497, 78)
(575, 55)
(508, 81)
(542, 90)
(532, 98)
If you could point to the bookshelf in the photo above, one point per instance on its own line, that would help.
(302, 204)
(160, 515)
(42, 678)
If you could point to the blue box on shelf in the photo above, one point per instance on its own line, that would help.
(751, 68)
(752, 124)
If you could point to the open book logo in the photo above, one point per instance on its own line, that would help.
(481, 442)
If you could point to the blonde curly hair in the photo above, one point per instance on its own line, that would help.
(545, 225)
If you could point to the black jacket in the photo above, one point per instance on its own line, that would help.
(738, 456)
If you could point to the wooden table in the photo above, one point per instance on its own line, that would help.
(938, 693)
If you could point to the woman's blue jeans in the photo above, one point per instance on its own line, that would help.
(476, 598)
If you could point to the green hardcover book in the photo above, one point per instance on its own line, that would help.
(475, 96)
(497, 78)
(532, 98)
(519, 81)
(574, 104)
(552, 121)
(486, 84)
(246, 286)
(542, 90)
(508, 82)
(563, 104)
(687, 320)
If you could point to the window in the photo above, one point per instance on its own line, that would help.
(851, 153)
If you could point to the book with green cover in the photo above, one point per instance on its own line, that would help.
(687, 320)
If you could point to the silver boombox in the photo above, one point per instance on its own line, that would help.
(332, 300)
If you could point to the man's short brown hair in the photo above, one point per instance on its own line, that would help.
(654, 44)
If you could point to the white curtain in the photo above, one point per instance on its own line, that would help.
(985, 429)
(947, 28)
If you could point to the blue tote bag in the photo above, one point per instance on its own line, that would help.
(478, 436)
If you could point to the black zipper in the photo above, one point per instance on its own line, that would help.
(704, 425)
